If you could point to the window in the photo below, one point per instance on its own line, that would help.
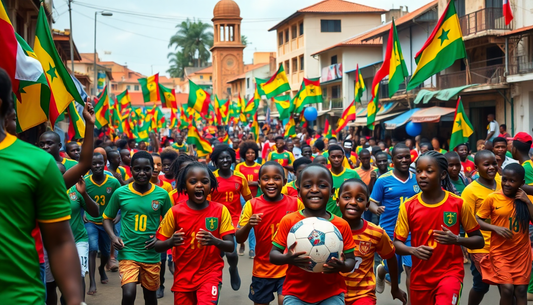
(294, 32)
(201, 77)
(301, 63)
(211, 77)
(294, 65)
(287, 67)
(301, 25)
(330, 26)
(114, 87)
(136, 88)
(324, 93)
(128, 87)
(287, 36)
(248, 83)
(280, 38)
(335, 90)
(334, 59)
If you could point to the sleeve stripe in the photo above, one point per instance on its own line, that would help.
(278, 245)
(105, 216)
(54, 220)
(349, 250)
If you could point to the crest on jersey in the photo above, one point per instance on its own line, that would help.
(364, 247)
(73, 196)
(256, 171)
(450, 218)
(109, 190)
(211, 223)
(416, 188)
(155, 205)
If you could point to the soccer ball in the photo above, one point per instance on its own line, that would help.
(319, 239)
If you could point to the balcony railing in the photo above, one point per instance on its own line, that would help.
(483, 75)
(521, 64)
(336, 103)
(490, 18)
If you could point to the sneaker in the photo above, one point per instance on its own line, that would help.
(380, 283)
(252, 254)
(160, 292)
(241, 249)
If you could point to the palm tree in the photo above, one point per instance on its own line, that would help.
(194, 39)
(178, 62)
(244, 40)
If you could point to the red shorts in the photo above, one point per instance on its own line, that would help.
(447, 292)
(363, 301)
(207, 294)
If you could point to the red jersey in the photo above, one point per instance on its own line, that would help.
(195, 264)
(306, 286)
(420, 219)
(229, 193)
(176, 197)
(171, 181)
(273, 212)
(36, 234)
(251, 173)
(468, 166)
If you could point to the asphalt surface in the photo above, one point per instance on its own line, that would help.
(111, 293)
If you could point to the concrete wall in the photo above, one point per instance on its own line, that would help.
(523, 108)
(263, 72)
(351, 57)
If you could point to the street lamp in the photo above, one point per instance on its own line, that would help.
(106, 14)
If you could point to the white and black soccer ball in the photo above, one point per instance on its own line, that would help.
(319, 239)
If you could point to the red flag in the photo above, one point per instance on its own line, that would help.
(507, 12)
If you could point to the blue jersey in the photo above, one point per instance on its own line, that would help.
(389, 191)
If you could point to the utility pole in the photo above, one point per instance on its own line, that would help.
(71, 38)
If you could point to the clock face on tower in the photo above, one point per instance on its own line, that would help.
(230, 62)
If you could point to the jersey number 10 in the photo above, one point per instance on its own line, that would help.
(140, 222)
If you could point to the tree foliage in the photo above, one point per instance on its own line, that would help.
(192, 42)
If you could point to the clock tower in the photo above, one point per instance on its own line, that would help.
(227, 46)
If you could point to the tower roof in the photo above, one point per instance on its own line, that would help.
(226, 9)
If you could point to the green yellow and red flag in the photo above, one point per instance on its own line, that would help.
(222, 111)
(124, 103)
(199, 100)
(284, 105)
(173, 118)
(255, 128)
(63, 89)
(184, 120)
(329, 131)
(303, 121)
(462, 128)
(310, 93)
(76, 128)
(359, 85)
(102, 109)
(444, 46)
(168, 97)
(258, 85)
(251, 108)
(372, 110)
(347, 116)
(242, 108)
(203, 147)
(290, 128)
(277, 84)
(150, 88)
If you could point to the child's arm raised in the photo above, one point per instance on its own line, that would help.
(225, 244)
(290, 258)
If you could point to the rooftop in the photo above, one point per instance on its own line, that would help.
(226, 9)
(247, 68)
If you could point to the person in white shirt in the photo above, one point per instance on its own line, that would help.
(499, 148)
(493, 129)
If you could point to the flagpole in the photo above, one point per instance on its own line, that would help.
(468, 72)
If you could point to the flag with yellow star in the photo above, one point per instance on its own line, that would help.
(310, 93)
(63, 89)
(277, 84)
(462, 128)
(441, 50)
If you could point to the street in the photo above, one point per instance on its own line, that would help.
(111, 294)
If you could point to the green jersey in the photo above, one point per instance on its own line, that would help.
(141, 215)
(459, 185)
(528, 167)
(101, 194)
(68, 163)
(337, 182)
(76, 222)
(181, 148)
(32, 191)
(285, 158)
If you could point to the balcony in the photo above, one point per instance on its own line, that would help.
(521, 64)
(490, 18)
(336, 103)
(487, 75)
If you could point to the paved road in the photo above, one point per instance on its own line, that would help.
(111, 294)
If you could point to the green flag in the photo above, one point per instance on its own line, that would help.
(398, 69)
(285, 106)
(462, 128)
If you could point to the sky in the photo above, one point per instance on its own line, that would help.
(138, 33)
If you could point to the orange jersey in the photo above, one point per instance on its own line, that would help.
(368, 240)
(229, 193)
(251, 173)
(273, 212)
(473, 195)
(365, 174)
(509, 260)
(176, 197)
(420, 219)
(312, 287)
(195, 264)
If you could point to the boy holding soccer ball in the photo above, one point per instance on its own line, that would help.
(264, 214)
(300, 287)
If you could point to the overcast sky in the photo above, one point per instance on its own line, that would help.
(138, 34)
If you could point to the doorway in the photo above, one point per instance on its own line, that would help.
(478, 117)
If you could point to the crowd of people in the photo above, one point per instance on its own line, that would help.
(140, 208)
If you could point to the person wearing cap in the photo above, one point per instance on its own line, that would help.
(521, 145)
(493, 129)
(351, 156)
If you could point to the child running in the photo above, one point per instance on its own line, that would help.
(510, 211)
(263, 214)
(340, 174)
(197, 230)
(175, 168)
(231, 185)
(302, 287)
(142, 205)
(353, 200)
(432, 218)
(249, 168)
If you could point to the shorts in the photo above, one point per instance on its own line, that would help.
(98, 238)
(49, 276)
(403, 260)
(478, 284)
(447, 292)
(362, 301)
(135, 272)
(83, 253)
(334, 300)
(262, 289)
(207, 294)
